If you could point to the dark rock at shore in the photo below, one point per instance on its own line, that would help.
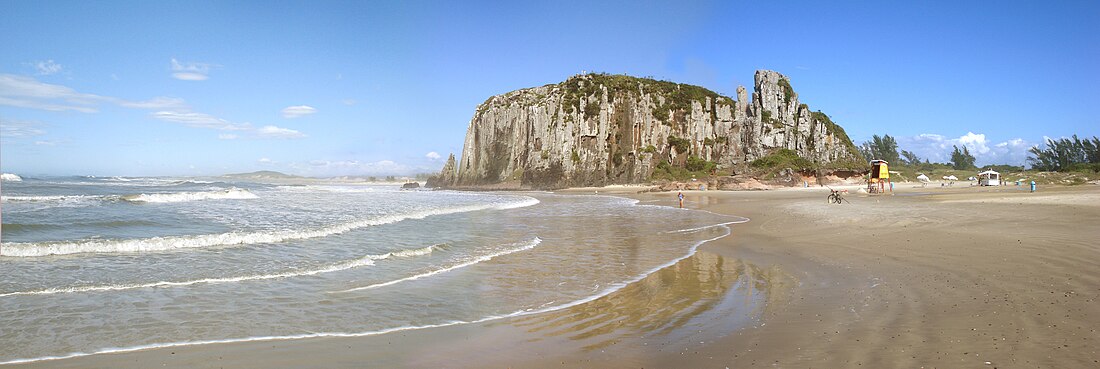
(410, 186)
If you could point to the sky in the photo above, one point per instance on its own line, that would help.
(323, 88)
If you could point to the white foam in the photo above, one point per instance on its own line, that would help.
(48, 198)
(31, 249)
(367, 260)
(527, 245)
(522, 312)
(10, 177)
(232, 193)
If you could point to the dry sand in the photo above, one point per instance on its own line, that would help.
(928, 277)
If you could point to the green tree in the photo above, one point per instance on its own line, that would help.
(961, 159)
(909, 158)
(1066, 154)
(881, 148)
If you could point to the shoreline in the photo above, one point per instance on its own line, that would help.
(927, 292)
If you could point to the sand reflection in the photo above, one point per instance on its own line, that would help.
(706, 295)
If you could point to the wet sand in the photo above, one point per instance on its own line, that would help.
(928, 277)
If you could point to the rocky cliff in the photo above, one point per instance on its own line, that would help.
(600, 129)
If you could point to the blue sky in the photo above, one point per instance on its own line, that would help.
(375, 88)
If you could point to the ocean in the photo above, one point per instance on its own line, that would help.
(94, 265)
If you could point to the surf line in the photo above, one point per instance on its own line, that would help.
(605, 292)
(367, 260)
(156, 244)
(527, 246)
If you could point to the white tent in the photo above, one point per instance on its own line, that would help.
(989, 178)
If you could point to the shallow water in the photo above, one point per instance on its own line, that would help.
(86, 267)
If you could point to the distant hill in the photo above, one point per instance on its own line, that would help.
(263, 174)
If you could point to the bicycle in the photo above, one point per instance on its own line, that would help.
(835, 197)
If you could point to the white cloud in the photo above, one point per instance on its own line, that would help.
(19, 128)
(277, 132)
(190, 71)
(324, 168)
(45, 143)
(156, 103)
(45, 68)
(291, 112)
(432, 155)
(265, 161)
(348, 102)
(227, 136)
(26, 92)
(200, 120)
(938, 148)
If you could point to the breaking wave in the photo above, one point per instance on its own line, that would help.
(232, 193)
(10, 177)
(367, 260)
(57, 198)
(155, 244)
(524, 312)
(521, 246)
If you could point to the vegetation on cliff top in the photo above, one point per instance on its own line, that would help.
(678, 96)
(838, 131)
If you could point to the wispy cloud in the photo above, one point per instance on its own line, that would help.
(356, 168)
(277, 132)
(45, 68)
(432, 155)
(10, 128)
(938, 148)
(157, 103)
(26, 92)
(190, 71)
(200, 120)
(30, 93)
(291, 112)
(227, 136)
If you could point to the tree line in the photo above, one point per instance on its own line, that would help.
(1066, 154)
(886, 148)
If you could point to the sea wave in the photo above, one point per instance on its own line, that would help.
(229, 194)
(61, 200)
(516, 247)
(10, 177)
(523, 312)
(367, 260)
(156, 244)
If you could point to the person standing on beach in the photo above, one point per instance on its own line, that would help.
(681, 196)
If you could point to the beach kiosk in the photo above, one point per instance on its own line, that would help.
(989, 178)
(879, 179)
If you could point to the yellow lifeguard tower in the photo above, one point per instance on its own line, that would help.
(879, 179)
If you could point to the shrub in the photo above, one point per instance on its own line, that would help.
(783, 158)
(696, 164)
(788, 92)
(682, 145)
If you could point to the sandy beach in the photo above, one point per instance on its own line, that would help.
(926, 277)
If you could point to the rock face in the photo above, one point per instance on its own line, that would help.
(446, 176)
(599, 129)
